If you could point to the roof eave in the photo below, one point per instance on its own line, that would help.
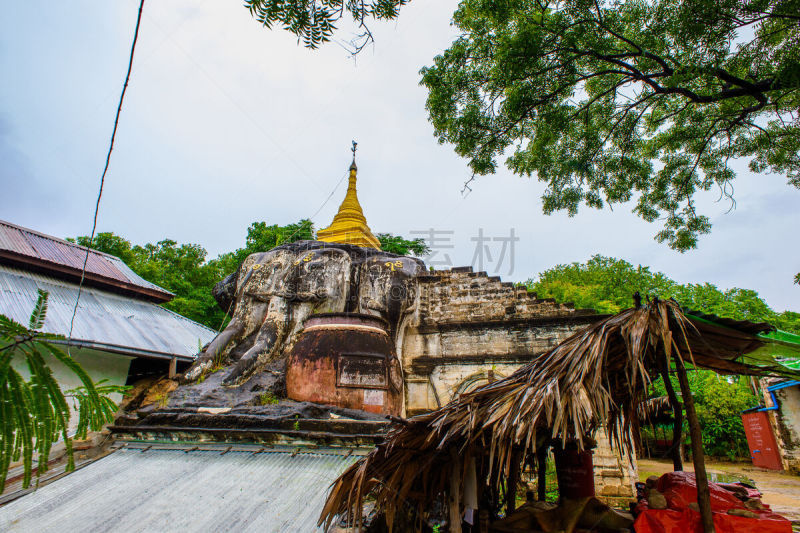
(123, 350)
(74, 274)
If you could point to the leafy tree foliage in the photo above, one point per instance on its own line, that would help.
(34, 412)
(398, 245)
(261, 238)
(183, 269)
(719, 402)
(608, 102)
(314, 21)
(607, 285)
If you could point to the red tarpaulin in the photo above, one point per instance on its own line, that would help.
(680, 489)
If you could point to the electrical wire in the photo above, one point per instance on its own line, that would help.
(105, 171)
(289, 238)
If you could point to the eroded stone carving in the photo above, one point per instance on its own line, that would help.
(274, 292)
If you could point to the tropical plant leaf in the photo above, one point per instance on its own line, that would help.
(39, 312)
(34, 412)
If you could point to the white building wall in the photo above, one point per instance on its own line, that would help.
(98, 365)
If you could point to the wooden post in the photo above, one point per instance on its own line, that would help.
(511, 484)
(454, 494)
(677, 425)
(173, 367)
(541, 473)
(483, 521)
(703, 494)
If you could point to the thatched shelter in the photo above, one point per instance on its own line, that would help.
(596, 378)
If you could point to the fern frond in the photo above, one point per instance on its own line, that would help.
(10, 329)
(39, 313)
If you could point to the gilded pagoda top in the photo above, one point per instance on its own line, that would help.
(349, 226)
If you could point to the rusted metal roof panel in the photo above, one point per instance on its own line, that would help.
(103, 318)
(22, 243)
(11, 238)
(185, 490)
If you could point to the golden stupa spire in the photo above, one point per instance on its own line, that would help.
(349, 226)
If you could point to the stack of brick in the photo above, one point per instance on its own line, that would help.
(614, 475)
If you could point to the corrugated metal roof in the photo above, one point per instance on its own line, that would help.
(180, 490)
(18, 243)
(744, 326)
(103, 318)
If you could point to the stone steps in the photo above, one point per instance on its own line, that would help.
(461, 293)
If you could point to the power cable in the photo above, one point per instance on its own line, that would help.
(288, 239)
(105, 170)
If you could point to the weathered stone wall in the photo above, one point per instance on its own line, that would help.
(470, 328)
(467, 324)
(614, 475)
(785, 422)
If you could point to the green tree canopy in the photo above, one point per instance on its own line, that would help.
(608, 102)
(260, 238)
(719, 402)
(607, 285)
(396, 244)
(314, 21)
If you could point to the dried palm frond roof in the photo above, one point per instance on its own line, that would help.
(655, 410)
(596, 377)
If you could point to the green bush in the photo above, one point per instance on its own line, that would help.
(719, 402)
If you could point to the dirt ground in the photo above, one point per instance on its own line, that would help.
(781, 490)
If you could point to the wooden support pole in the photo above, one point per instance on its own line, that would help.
(173, 367)
(541, 473)
(511, 484)
(677, 425)
(483, 521)
(454, 494)
(703, 494)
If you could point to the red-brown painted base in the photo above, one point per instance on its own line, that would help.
(346, 360)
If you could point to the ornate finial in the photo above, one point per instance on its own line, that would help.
(349, 225)
(353, 164)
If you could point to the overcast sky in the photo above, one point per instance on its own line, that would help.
(226, 123)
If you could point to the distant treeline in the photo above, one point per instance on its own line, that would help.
(607, 285)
